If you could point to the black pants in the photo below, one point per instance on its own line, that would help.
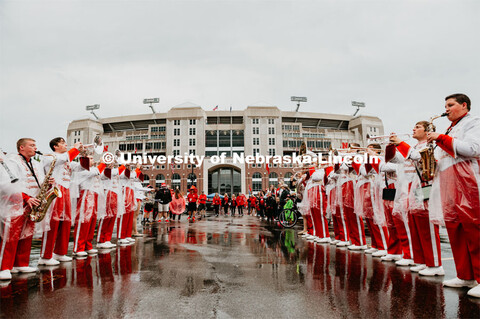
(232, 210)
(261, 211)
(173, 216)
(225, 209)
(240, 210)
(216, 208)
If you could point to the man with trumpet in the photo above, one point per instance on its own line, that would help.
(90, 202)
(425, 238)
(455, 195)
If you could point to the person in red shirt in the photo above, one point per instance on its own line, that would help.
(192, 198)
(253, 204)
(241, 201)
(216, 202)
(225, 203)
(202, 201)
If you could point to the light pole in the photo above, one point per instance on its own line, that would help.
(298, 99)
(154, 100)
(91, 108)
(358, 105)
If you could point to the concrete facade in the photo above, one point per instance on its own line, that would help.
(189, 129)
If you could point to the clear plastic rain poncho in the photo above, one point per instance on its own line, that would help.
(409, 175)
(114, 194)
(388, 176)
(343, 187)
(304, 205)
(331, 194)
(455, 194)
(378, 184)
(315, 189)
(29, 186)
(11, 206)
(363, 194)
(177, 205)
(90, 198)
(128, 191)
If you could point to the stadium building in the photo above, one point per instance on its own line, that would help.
(188, 128)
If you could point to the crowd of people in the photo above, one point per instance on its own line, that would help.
(403, 199)
(167, 204)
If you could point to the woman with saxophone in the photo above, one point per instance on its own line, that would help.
(455, 196)
(425, 238)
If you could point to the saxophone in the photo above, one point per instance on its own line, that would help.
(427, 154)
(45, 196)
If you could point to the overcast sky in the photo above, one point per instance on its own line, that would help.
(399, 57)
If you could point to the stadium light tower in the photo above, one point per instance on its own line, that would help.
(298, 99)
(151, 101)
(91, 108)
(358, 105)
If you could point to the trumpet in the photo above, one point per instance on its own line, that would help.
(385, 139)
(96, 146)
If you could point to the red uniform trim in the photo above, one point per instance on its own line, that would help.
(356, 167)
(121, 169)
(101, 167)
(138, 171)
(72, 153)
(403, 148)
(445, 142)
(25, 198)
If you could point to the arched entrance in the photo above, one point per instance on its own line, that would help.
(224, 180)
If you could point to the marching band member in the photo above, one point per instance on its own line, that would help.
(378, 223)
(331, 191)
(16, 229)
(91, 201)
(125, 221)
(425, 235)
(114, 206)
(55, 240)
(318, 206)
(305, 207)
(368, 203)
(364, 201)
(455, 190)
(354, 216)
(344, 198)
(389, 177)
(139, 197)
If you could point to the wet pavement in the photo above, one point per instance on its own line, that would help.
(231, 268)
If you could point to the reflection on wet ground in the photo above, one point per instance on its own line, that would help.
(228, 267)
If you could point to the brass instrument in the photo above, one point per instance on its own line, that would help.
(427, 154)
(96, 147)
(385, 139)
(45, 196)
